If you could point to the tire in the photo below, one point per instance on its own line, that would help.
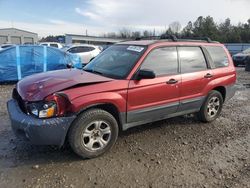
(93, 133)
(211, 107)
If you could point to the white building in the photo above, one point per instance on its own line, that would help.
(17, 36)
(71, 39)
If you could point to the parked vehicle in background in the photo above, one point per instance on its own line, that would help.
(128, 84)
(17, 62)
(85, 51)
(242, 58)
(52, 44)
(4, 46)
(235, 48)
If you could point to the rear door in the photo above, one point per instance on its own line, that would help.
(195, 76)
(154, 99)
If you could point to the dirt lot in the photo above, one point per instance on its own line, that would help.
(178, 152)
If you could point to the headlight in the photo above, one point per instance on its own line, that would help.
(42, 110)
(53, 106)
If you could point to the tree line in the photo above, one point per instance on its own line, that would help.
(224, 32)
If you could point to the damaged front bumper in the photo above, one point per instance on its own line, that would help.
(50, 131)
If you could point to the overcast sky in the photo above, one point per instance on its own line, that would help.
(101, 16)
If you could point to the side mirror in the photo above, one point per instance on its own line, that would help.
(145, 74)
(70, 65)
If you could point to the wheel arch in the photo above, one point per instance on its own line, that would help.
(109, 107)
(222, 90)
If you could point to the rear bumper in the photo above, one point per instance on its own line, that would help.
(51, 131)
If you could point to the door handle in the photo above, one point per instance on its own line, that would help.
(208, 75)
(172, 81)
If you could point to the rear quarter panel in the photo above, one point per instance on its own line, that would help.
(224, 76)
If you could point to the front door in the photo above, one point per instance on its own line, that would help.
(154, 99)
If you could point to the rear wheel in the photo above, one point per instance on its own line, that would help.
(211, 108)
(93, 133)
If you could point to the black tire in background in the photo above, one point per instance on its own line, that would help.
(82, 126)
(205, 111)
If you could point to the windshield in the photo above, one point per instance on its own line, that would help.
(247, 51)
(116, 62)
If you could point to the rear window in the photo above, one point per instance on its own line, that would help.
(218, 56)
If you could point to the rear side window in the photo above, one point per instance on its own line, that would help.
(163, 61)
(218, 56)
(192, 59)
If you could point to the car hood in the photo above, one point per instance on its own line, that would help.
(39, 86)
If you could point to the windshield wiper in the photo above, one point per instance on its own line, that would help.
(93, 71)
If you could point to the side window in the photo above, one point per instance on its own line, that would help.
(162, 61)
(79, 49)
(89, 49)
(73, 50)
(192, 59)
(54, 45)
(218, 56)
(86, 49)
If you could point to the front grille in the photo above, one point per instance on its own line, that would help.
(20, 101)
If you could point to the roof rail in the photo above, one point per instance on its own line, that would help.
(175, 39)
(149, 38)
(162, 37)
(207, 39)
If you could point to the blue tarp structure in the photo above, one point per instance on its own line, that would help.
(19, 61)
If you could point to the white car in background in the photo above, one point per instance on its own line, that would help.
(52, 44)
(85, 51)
(4, 46)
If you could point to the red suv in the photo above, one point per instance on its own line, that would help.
(129, 84)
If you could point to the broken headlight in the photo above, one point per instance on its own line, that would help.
(53, 106)
(42, 110)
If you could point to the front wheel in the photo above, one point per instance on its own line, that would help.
(211, 107)
(93, 133)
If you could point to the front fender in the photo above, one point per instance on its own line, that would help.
(117, 99)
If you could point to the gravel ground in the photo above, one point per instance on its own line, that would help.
(178, 152)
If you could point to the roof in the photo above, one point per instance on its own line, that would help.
(76, 45)
(18, 30)
(167, 41)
